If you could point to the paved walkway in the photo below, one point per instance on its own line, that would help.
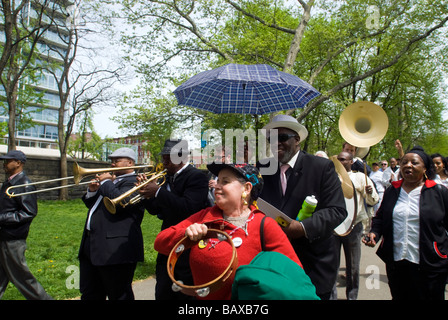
(144, 289)
(372, 283)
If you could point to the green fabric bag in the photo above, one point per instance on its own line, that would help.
(272, 276)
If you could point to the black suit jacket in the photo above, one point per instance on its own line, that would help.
(188, 195)
(114, 238)
(316, 176)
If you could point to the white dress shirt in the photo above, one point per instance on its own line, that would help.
(292, 161)
(440, 181)
(90, 194)
(174, 178)
(406, 222)
(359, 182)
(377, 177)
(390, 175)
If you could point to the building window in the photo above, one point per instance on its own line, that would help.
(44, 114)
(51, 132)
(48, 81)
(40, 131)
(52, 99)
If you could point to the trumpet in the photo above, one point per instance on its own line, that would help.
(79, 173)
(111, 204)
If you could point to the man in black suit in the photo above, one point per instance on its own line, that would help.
(111, 244)
(305, 175)
(184, 193)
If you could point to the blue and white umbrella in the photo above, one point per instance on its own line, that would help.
(245, 89)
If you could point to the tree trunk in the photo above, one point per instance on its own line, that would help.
(12, 105)
(295, 44)
(63, 193)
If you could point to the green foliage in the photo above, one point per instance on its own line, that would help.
(396, 59)
(53, 244)
(146, 111)
(3, 129)
(88, 144)
(271, 44)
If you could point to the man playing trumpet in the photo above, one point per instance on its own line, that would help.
(184, 194)
(111, 244)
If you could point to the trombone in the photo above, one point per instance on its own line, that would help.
(78, 174)
(111, 204)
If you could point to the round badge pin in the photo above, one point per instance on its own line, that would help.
(237, 242)
(202, 244)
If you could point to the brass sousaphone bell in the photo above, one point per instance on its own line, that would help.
(362, 124)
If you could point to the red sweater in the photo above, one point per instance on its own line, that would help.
(208, 263)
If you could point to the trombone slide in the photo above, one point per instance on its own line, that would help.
(79, 173)
(12, 195)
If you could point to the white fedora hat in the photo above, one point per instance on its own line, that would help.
(285, 121)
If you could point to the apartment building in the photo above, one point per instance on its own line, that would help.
(44, 110)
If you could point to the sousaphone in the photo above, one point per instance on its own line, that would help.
(346, 183)
(362, 124)
(349, 196)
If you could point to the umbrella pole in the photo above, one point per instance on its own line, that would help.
(244, 106)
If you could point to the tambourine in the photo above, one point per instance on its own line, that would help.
(202, 290)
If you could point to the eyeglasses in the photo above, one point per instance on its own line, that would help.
(283, 137)
(384, 164)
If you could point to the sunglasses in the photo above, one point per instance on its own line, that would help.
(283, 137)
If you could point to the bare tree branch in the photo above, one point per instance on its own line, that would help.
(257, 18)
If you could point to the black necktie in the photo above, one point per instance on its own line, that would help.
(170, 180)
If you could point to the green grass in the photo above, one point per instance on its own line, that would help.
(53, 244)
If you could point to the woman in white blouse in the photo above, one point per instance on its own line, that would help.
(412, 221)
(441, 165)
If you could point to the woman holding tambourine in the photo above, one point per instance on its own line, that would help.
(226, 235)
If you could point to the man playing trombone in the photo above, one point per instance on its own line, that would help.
(111, 244)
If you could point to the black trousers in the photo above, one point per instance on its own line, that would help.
(100, 282)
(13, 267)
(164, 284)
(408, 282)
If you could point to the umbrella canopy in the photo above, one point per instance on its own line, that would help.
(245, 89)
